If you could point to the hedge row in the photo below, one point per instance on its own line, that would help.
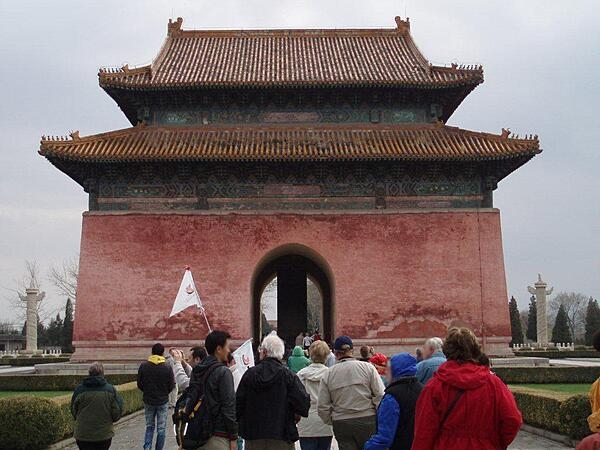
(35, 422)
(560, 414)
(21, 361)
(35, 382)
(535, 375)
(559, 354)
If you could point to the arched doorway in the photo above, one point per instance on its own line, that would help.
(299, 284)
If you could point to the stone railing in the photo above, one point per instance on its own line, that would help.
(559, 346)
(50, 351)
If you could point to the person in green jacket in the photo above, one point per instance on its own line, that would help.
(298, 360)
(95, 405)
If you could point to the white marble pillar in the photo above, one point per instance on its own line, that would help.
(541, 302)
(33, 297)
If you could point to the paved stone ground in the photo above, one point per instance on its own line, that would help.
(130, 435)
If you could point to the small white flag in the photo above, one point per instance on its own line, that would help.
(244, 357)
(187, 295)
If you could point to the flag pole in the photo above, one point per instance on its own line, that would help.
(206, 320)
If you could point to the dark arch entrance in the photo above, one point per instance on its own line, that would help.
(292, 270)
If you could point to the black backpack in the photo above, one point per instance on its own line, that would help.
(192, 420)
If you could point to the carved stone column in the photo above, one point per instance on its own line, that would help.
(32, 296)
(540, 292)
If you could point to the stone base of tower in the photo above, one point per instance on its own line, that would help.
(396, 277)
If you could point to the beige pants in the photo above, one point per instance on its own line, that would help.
(268, 444)
(216, 443)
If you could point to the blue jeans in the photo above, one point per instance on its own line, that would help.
(160, 412)
(315, 443)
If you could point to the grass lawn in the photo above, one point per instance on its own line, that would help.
(4, 394)
(562, 388)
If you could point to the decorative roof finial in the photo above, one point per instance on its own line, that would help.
(174, 27)
(505, 132)
(74, 135)
(402, 25)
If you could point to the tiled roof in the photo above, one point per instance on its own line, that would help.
(423, 142)
(276, 58)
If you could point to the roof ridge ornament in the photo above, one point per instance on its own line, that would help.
(505, 133)
(402, 25)
(174, 27)
(75, 135)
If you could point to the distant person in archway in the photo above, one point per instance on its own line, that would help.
(465, 405)
(307, 341)
(314, 434)
(297, 361)
(269, 400)
(299, 341)
(433, 358)
(316, 336)
(349, 394)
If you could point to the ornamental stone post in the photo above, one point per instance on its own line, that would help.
(540, 292)
(33, 297)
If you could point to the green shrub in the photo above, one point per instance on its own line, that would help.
(21, 361)
(36, 422)
(132, 402)
(574, 412)
(559, 413)
(539, 411)
(35, 382)
(536, 375)
(30, 422)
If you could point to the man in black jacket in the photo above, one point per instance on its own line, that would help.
(270, 399)
(155, 379)
(219, 394)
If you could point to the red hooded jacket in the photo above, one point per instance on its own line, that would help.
(485, 417)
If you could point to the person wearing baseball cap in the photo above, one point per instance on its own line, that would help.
(349, 394)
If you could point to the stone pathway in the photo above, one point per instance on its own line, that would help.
(129, 435)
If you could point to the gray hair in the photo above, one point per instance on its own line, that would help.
(96, 369)
(273, 346)
(435, 343)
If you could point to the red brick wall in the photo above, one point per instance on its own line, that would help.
(397, 278)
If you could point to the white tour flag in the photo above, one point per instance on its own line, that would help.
(187, 295)
(244, 357)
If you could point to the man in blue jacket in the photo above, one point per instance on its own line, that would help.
(433, 358)
(396, 412)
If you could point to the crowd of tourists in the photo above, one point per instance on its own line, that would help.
(449, 399)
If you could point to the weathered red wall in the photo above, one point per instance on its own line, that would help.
(397, 278)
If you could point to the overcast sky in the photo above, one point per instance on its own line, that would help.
(542, 76)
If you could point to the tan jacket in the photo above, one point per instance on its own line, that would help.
(350, 389)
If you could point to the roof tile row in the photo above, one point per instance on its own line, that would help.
(285, 143)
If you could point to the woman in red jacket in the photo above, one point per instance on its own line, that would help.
(465, 406)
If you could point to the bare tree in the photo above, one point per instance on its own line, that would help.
(575, 305)
(64, 277)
